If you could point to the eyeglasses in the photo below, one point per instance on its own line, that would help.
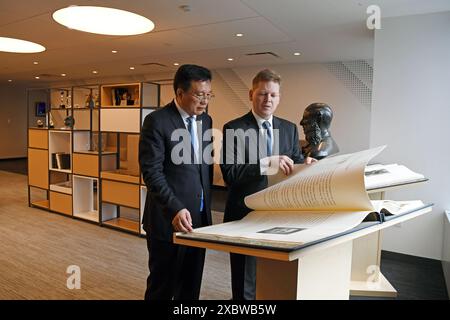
(203, 97)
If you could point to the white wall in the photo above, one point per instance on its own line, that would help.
(411, 114)
(446, 249)
(13, 121)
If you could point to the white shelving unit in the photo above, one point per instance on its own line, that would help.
(85, 198)
(60, 141)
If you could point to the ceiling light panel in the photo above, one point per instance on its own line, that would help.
(19, 46)
(102, 20)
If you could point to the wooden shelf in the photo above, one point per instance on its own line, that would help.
(61, 170)
(117, 107)
(60, 202)
(64, 187)
(125, 224)
(38, 168)
(59, 130)
(109, 94)
(86, 108)
(104, 153)
(105, 185)
(44, 204)
(121, 175)
(90, 215)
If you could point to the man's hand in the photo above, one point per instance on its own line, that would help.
(310, 160)
(182, 221)
(285, 163)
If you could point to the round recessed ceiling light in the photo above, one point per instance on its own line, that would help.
(95, 72)
(131, 68)
(102, 20)
(35, 62)
(176, 64)
(9, 80)
(36, 77)
(114, 51)
(296, 53)
(63, 74)
(19, 46)
(239, 35)
(230, 59)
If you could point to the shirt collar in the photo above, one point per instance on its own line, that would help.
(183, 113)
(261, 120)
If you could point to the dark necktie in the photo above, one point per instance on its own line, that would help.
(266, 126)
(194, 143)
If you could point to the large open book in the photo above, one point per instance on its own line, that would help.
(379, 176)
(315, 203)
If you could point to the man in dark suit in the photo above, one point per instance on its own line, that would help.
(178, 178)
(255, 145)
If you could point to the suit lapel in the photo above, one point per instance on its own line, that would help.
(178, 123)
(251, 123)
(176, 118)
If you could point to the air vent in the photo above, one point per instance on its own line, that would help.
(154, 64)
(47, 75)
(262, 54)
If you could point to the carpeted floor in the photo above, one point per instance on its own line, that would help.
(37, 247)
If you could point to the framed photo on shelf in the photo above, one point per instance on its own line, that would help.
(41, 109)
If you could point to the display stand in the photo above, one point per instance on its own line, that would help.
(321, 271)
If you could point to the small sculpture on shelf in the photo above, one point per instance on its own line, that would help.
(61, 102)
(316, 122)
(49, 120)
(136, 96)
(69, 101)
(97, 101)
(69, 121)
(90, 103)
(40, 123)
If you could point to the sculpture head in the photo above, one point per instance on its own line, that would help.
(316, 121)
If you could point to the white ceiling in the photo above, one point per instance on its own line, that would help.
(322, 30)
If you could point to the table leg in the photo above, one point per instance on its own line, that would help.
(324, 274)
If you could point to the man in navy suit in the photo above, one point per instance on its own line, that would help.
(178, 185)
(255, 145)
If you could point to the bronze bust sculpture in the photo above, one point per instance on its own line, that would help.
(316, 122)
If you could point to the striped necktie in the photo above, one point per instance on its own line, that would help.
(266, 126)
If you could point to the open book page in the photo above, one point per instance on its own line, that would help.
(290, 229)
(378, 175)
(391, 207)
(331, 184)
(284, 226)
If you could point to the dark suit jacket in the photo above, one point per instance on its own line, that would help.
(245, 179)
(170, 186)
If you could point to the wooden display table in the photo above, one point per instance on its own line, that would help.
(333, 269)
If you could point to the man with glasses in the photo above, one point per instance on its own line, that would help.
(178, 193)
(274, 146)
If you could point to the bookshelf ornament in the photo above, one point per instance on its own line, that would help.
(69, 121)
